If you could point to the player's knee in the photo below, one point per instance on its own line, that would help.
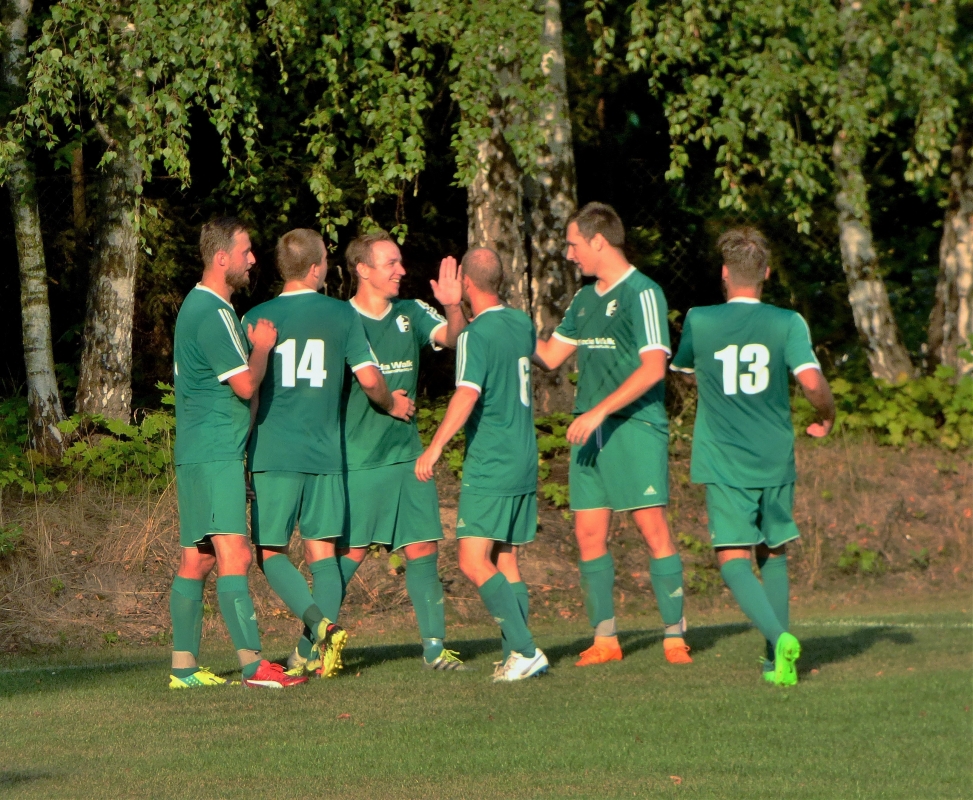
(419, 550)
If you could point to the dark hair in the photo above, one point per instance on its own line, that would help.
(483, 267)
(745, 254)
(599, 218)
(359, 250)
(297, 251)
(216, 235)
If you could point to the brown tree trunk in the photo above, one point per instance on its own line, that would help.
(43, 398)
(951, 321)
(105, 379)
(552, 198)
(869, 299)
(78, 188)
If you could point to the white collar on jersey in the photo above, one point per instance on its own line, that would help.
(752, 300)
(621, 280)
(296, 292)
(207, 289)
(499, 307)
(364, 313)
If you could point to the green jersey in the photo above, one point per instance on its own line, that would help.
(741, 352)
(210, 348)
(493, 357)
(299, 421)
(372, 437)
(611, 330)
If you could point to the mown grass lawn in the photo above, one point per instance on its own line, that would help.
(883, 710)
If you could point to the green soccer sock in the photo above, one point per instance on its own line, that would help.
(238, 612)
(597, 583)
(347, 567)
(186, 611)
(523, 600)
(426, 592)
(752, 598)
(286, 580)
(326, 594)
(502, 604)
(773, 572)
(666, 575)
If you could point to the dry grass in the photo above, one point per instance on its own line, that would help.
(94, 565)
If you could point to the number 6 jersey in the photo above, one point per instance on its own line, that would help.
(298, 423)
(741, 353)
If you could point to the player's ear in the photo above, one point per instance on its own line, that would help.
(361, 268)
(767, 274)
(725, 274)
(597, 242)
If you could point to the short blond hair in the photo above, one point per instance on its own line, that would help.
(297, 251)
(746, 255)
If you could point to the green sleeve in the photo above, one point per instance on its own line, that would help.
(221, 340)
(685, 359)
(358, 352)
(567, 331)
(650, 320)
(798, 352)
(425, 321)
(471, 362)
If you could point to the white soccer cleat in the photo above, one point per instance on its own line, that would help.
(518, 667)
(295, 659)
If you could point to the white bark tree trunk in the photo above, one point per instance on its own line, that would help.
(869, 299)
(495, 211)
(552, 198)
(43, 398)
(951, 322)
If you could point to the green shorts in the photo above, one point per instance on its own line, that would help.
(284, 499)
(389, 505)
(746, 517)
(212, 499)
(624, 465)
(511, 519)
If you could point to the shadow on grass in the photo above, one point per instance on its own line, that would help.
(356, 658)
(9, 778)
(819, 650)
(59, 677)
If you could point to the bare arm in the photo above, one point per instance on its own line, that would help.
(263, 337)
(448, 291)
(396, 404)
(552, 353)
(646, 375)
(460, 407)
(818, 392)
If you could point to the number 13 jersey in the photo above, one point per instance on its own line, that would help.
(298, 423)
(741, 353)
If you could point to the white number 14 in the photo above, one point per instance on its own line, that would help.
(757, 376)
(311, 367)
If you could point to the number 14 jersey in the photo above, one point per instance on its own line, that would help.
(741, 353)
(298, 423)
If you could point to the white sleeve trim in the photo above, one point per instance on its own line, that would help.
(432, 336)
(228, 317)
(469, 385)
(231, 372)
(809, 365)
(365, 364)
(687, 370)
(562, 338)
(650, 317)
(662, 347)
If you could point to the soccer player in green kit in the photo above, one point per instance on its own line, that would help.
(216, 374)
(295, 452)
(498, 499)
(620, 436)
(387, 505)
(743, 443)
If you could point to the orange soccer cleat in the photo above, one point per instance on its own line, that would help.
(676, 650)
(600, 653)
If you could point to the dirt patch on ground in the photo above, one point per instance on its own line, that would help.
(94, 566)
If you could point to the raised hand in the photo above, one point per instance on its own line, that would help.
(263, 335)
(448, 290)
(402, 406)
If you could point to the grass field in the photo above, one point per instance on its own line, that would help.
(882, 710)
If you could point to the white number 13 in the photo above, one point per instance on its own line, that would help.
(757, 376)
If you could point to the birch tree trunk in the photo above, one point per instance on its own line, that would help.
(552, 198)
(951, 322)
(869, 299)
(105, 378)
(43, 398)
(495, 210)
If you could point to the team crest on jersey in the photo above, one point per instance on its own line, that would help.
(611, 308)
(403, 322)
